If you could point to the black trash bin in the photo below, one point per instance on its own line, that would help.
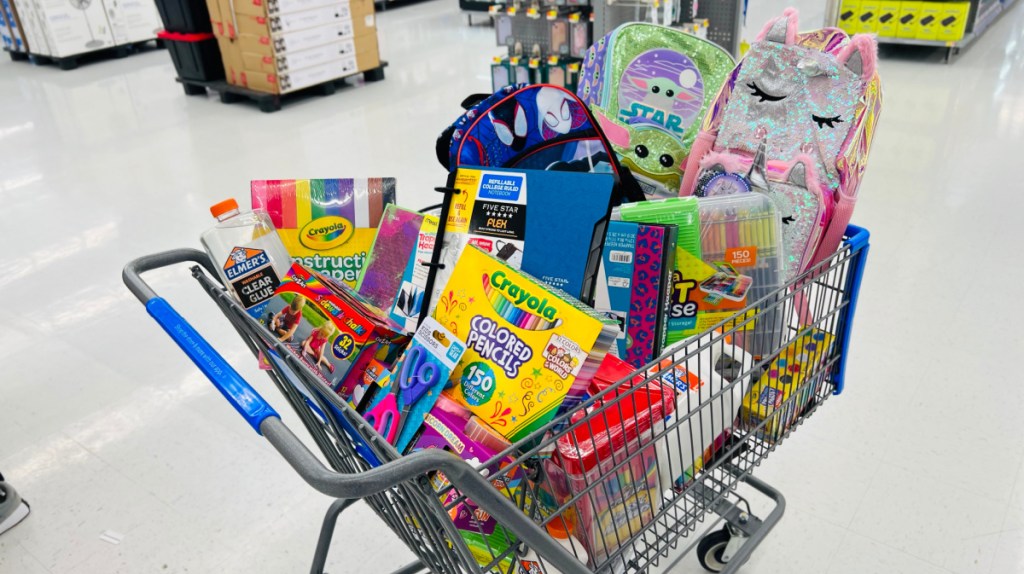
(196, 56)
(186, 16)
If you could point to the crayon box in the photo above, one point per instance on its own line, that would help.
(331, 329)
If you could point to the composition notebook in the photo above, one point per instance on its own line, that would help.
(683, 213)
(634, 286)
(531, 350)
(550, 224)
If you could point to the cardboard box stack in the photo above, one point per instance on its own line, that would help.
(63, 28)
(279, 46)
(911, 19)
(11, 35)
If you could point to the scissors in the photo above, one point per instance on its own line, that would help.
(417, 376)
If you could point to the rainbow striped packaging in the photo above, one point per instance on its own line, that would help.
(327, 225)
(531, 349)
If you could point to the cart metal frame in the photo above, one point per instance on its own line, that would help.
(361, 465)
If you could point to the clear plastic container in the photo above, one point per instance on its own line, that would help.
(741, 237)
(247, 253)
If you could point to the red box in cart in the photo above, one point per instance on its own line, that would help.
(618, 430)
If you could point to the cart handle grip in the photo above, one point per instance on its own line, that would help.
(253, 408)
(859, 240)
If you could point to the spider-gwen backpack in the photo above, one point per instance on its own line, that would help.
(809, 103)
(531, 127)
(649, 87)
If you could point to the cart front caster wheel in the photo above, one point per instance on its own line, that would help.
(711, 548)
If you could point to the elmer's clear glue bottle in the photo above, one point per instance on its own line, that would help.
(531, 563)
(247, 253)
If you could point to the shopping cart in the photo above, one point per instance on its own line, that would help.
(623, 520)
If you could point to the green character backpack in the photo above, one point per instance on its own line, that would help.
(649, 87)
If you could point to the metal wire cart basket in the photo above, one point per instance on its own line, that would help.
(630, 474)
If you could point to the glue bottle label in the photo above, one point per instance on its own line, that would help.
(530, 567)
(251, 275)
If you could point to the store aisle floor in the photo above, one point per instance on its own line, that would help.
(111, 433)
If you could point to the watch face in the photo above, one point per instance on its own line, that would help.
(720, 183)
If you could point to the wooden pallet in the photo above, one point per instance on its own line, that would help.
(269, 103)
(72, 62)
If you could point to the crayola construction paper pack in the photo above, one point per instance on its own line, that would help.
(531, 350)
(327, 225)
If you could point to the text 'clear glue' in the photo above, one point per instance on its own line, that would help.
(247, 253)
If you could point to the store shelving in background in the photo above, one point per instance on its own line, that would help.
(950, 25)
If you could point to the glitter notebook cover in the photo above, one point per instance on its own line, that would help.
(394, 277)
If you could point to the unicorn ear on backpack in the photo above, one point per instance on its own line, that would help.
(860, 55)
(781, 29)
(802, 173)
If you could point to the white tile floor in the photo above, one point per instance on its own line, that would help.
(918, 468)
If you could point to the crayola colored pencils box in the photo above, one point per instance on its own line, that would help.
(531, 350)
(327, 225)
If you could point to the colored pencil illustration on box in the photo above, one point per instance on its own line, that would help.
(727, 282)
(542, 317)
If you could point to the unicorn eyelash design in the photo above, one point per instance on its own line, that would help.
(830, 122)
(765, 96)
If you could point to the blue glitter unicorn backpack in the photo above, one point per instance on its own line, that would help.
(539, 127)
(795, 120)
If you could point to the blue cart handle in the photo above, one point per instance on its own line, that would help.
(858, 239)
(235, 389)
